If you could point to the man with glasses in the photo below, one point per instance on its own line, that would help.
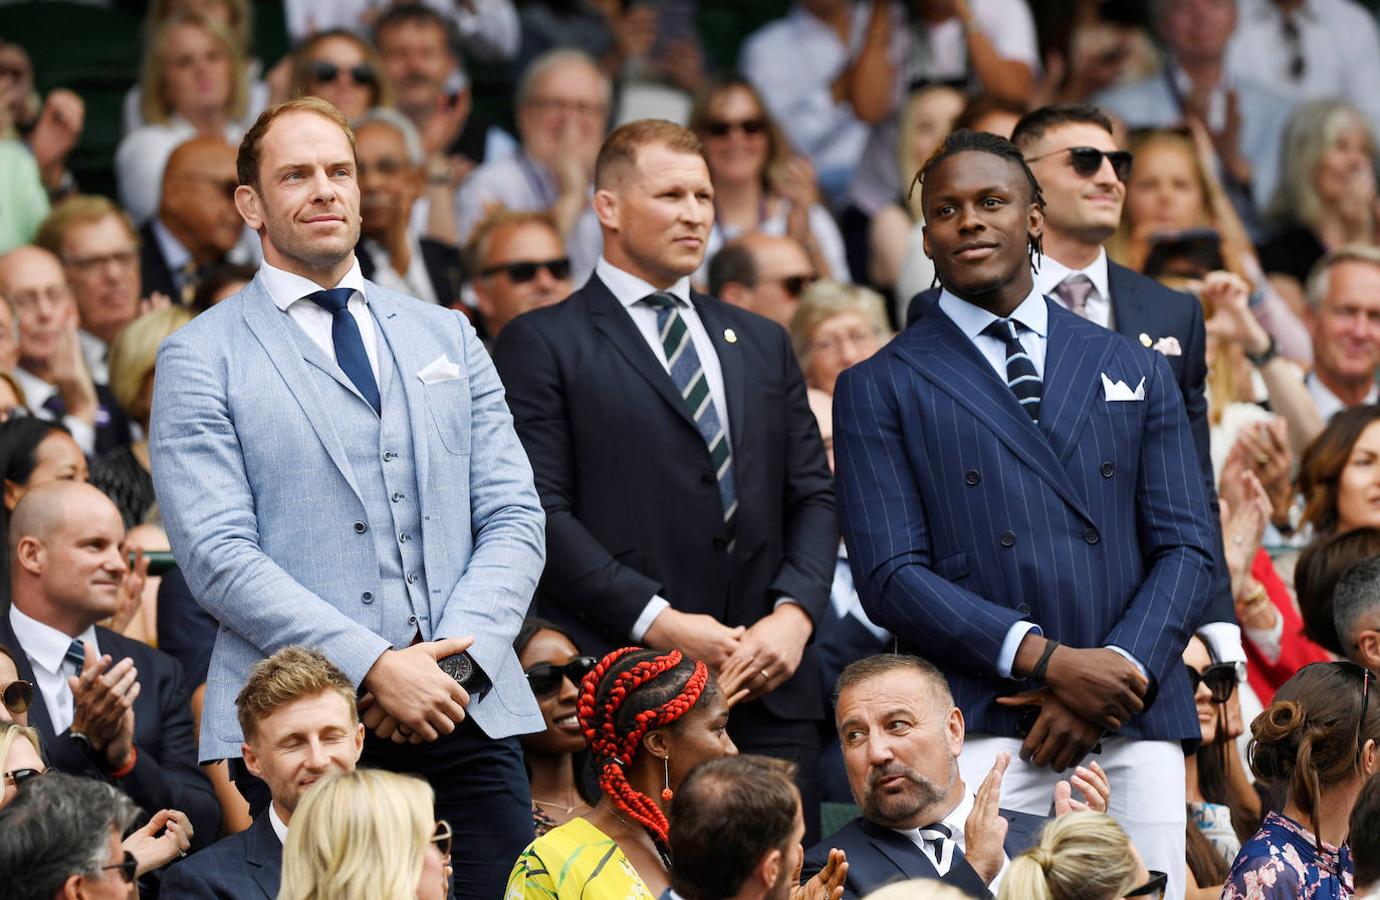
(762, 273)
(517, 263)
(297, 712)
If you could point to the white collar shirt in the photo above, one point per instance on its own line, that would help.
(289, 292)
(1099, 306)
(1328, 403)
(38, 392)
(46, 649)
(415, 282)
(954, 821)
(279, 826)
(972, 319)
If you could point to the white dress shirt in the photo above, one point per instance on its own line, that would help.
(289, 292)
(96, 352)
(46, 649)
(954, 821)
(1328, 403)
(415, 282)
(37, 392)
(279, 826)
(1099, 306)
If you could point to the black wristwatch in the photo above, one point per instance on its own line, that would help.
(1261, 359)
(461, 667)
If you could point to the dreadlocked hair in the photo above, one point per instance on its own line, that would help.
(965, 140)
(628, 693)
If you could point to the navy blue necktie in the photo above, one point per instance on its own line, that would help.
(349, 345)
(1021, 376)
(76, 655)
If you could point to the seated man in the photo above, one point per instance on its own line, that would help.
(517, 263)
(902, 736)
(1356, 612)
(127, 721)
(60, 837)
(298, 714)
(762, 273)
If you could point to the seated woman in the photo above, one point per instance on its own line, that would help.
(366, 835)
(1319, 738)
(1080, 856)
(836, 326)
(339, 67)
(15, 693)
(554, 669)
(1336, 474)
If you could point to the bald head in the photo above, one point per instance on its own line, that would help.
(44, 510)
(28, 265)
(198, 200)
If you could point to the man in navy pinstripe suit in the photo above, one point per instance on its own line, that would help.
(1019, 493)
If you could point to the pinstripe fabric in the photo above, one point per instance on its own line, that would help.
(963, 516)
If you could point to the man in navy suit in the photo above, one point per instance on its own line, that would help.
(297, 711)
(1022, 505)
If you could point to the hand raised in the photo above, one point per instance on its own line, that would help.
(985, 830)
(828, 882)
(1091, 782)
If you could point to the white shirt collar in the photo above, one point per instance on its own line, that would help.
(279, 826)
(43, 644)
(972, 319)
(286, 288)
(1328, 403)
(174, 254)
(629, 289)
(1052, 273)
(36, 390)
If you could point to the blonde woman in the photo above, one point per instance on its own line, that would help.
(21, 758)
(366, 835)
(1080, 856)
(836, 326)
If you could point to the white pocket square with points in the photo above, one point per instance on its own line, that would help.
(1169, 346)
(1117, 390)
(438, 370)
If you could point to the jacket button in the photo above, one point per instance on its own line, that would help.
(411, 577)
(388, 455)
(972, 477)
(1023, 609)
(1091, 536)
(1107, 470)
(1008, 538)
(367, 596)
(402, 537)
(360, 528)
(396, 496)
(412, 620)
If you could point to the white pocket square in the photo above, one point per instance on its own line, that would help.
(1117, 390)
(438, 370)
(1169, 346)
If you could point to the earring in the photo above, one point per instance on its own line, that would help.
(666, 793)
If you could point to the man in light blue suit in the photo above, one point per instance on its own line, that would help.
(1021, 501)
(337, 468)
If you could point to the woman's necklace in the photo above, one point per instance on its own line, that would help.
(562, 807)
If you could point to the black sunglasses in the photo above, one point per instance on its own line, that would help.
(721, 128)
(129, 867)
(1087, 160)
(362, 74)
(795, 285)
(1219, 677)
(523, 272)
(545, 678)
(19, 776)
(1367, 676)
(442, 837)
(17, 696)
(1152, 888)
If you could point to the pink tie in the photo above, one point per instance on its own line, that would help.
(1073, 293)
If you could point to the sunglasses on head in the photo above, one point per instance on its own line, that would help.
(1086, 161)
(442, 837)
(361, 74)
(1152, 888)
(1220, 678)
(545, 678)
(722, 128)
(523, 272)
(17, 696)
(128, 866)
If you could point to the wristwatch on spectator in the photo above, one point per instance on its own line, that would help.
(1259, 360)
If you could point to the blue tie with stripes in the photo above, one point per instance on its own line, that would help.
(690, 380)
(349, 343)
(1021, 376)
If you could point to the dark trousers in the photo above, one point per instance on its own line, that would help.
(481, 790)
(755, 729)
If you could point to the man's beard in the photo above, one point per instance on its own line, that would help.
(899, 810)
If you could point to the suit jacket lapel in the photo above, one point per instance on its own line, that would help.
(730, 364)
(1074, 356)
(908, 859)
(270, 325)
(264, 854)
(1129, 313)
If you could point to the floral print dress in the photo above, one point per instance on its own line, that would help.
(1283, 861)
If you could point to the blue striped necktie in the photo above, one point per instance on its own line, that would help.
(349, 343)
(1021, 376)
(75, 655)
(690, 380)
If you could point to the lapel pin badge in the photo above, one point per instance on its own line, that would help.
(1145, 340)
(730, 335)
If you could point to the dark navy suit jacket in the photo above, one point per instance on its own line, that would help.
(963, 517)
(244, 866)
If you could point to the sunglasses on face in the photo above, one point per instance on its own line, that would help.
(17, 696)
(19, 776)
(1219, 677)
(795, 285)
(722, 128)
(129, 867)
(1086, 161)
(523, 272)
(442, 837)
(1152, 888)
(361, 74)
(545, 678)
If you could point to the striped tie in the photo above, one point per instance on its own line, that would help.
(690, 380)
(75, 655)
(1021, 376)
(939, 842)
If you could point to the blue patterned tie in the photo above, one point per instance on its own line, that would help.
(690, 380)
(1021, 376)
(349, 345)
(76, 655)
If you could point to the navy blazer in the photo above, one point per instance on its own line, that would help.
(166, 774)
(244, 866)
(963, 517)
(632, 502)
(1143, 306)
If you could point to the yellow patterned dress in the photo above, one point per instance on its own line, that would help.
(575, 861)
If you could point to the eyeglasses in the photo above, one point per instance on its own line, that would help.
(19, 776)
(442, 837)
(1087, 160)
(1220, 678)
(795, 285)
(17, 696)
(722, 127)
(523, 272)
(1367, 676)
(837, 342)
(1152, 888)
(545, 678)
(85, 265)
(361, 74)
(129, 867)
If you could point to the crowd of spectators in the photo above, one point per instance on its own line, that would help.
(913, 696)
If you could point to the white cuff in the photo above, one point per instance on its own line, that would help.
(1225, 638)
(654, 608)
(1135, 662)
(1007, 657)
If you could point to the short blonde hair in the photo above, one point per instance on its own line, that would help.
(358, 836)
(10, 731)
(153, 106)
(240, 27)
(247, 160)
(1080, 856)
(134, 352)
(78, 209)
(825, 299)
(286, 676)
(619, 152)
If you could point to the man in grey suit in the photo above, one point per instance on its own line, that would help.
(337, 468)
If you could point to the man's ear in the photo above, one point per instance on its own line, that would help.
(251, 760)
(769, 867)
(359, 741)
(13, 494)
(953, 731)
(1368, 649)
(606, 208)
(737, 294)
(250, 206)
(925, 236)
(30, 555)
(1036, 225)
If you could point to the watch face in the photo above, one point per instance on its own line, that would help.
(458, 667)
